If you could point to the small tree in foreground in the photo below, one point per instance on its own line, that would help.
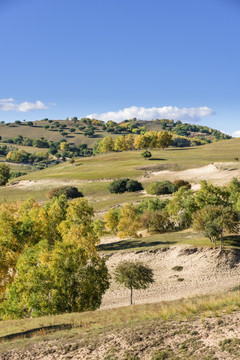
(134, 275)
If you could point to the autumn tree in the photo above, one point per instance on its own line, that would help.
(129, 222)
(164, 139)
(111, 219)
(106, 145)
(134, 275)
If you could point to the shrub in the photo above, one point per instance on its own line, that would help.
(146, 154)
(118, 186)
(180, 183)
(70, 192)
(122, 185)
(133, 185)
(177, 268)
(161, 188)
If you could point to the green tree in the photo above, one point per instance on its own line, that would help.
(146, 154)
(181, 208)
(214, 221)
(134, 275)
(63, 279)
(71, 192)
(161, 187)
(4, 173)
(210, 194)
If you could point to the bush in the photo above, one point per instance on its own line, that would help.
(146, 154)
(161, 188)
(118, 186)
(133, 185)
(70, 192)
(122, 185)
(182, 183)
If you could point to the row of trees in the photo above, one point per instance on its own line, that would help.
(213, 210)
(151, 139)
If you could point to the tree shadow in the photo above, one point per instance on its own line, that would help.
(131, 244)
(183, 149)
(232, 240)
(158, 159)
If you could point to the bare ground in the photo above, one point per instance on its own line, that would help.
(205, 271)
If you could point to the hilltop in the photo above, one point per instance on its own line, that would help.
(87, 131)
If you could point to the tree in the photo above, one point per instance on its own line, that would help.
(4, 173)
(71, 192)
(164, 139)
(182, 183)
(214, 221)
(210, 194)
(134, 275)
(181, 208)
(112, 219)
(59, 280)
(158, 221)
(161, 188)
(64, 146)
(133, 186)
(129, 222)
(122, 185)
(146, 154)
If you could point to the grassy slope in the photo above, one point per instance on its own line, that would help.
(115, 165)
(131, 164)
(37, 131)
(149, 326)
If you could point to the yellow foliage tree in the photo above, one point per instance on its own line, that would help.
(129, 222)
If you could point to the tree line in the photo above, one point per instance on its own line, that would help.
(213, 210)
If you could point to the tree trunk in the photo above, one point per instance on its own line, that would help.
(221, 242)
(131, 291)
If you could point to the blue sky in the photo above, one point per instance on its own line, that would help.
(153, 58)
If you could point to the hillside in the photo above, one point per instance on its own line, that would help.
(74, 131)
(198, 328)
(93, 174)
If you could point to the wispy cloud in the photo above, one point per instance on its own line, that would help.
(12, 105)
(236, 133)
(165, 112)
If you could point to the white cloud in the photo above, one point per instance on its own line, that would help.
(165, 112)
(236, 133)
(11, 105)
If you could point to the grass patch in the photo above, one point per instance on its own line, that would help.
(177, 268)
(185, 309)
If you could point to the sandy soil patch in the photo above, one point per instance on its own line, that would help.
(218, 173)
(205, 271)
